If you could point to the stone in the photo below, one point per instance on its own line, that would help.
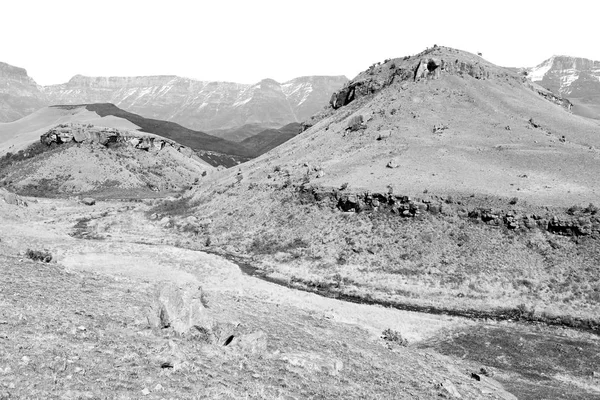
(252, 343)
(180, 307)
(88, 201)
(392, 164)
(384, 135)
(451, 389)
(12, 199)
(313, 362)
(356, 123)
(428, 68)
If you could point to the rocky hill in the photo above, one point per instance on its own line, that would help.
(578, 79)
(107, 162)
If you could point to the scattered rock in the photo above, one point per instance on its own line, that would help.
(392, 164)
(356, 123)
(451, 389)
(439, 128)
(384, 135)
(250, 343)
(314, 363)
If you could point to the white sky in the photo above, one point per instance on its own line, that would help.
(246, 41)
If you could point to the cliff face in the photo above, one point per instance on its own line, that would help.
(572, 77)
(199, 104)
(19, 94)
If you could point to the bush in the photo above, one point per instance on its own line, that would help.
(39, 255)
(394, 337)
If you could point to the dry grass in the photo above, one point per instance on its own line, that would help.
(442, 260)
(81, 335)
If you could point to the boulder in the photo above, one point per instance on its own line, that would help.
(428, 68)
(314, 363)
(355, 123)
(180, 307)
(88, 201)
(253, 343)
(392, 164)
(12, 199)
(384, 134)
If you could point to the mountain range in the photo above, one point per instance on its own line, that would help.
(575, 78)
(198, 105)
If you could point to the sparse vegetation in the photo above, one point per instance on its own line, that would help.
(39, 255)
(394, 337)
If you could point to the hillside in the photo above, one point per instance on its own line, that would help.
(268, 139)
(433, 182)
(572, 77)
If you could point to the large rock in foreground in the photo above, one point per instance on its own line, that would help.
(180, 307)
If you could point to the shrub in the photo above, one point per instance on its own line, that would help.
(394, 337)
(39, 255)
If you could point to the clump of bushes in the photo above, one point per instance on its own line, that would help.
(39, 255)
(394, 337)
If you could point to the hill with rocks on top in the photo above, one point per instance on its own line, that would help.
(576, 78)
(76, 158)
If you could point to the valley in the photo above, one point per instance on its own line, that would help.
(432, 230)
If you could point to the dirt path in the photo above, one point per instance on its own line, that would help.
(47, 225)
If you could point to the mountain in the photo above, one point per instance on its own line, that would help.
(202, 105)
(19, 94)
(578, 79)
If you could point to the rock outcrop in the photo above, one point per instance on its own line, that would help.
(433, 63)
(78, 133)
(578, 222)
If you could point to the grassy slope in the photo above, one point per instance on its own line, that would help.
(271, 138)
(446, 261)
(118, 171)
(79, 335)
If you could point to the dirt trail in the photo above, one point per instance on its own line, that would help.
(47, 224)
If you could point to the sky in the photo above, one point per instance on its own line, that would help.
(246, 41)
